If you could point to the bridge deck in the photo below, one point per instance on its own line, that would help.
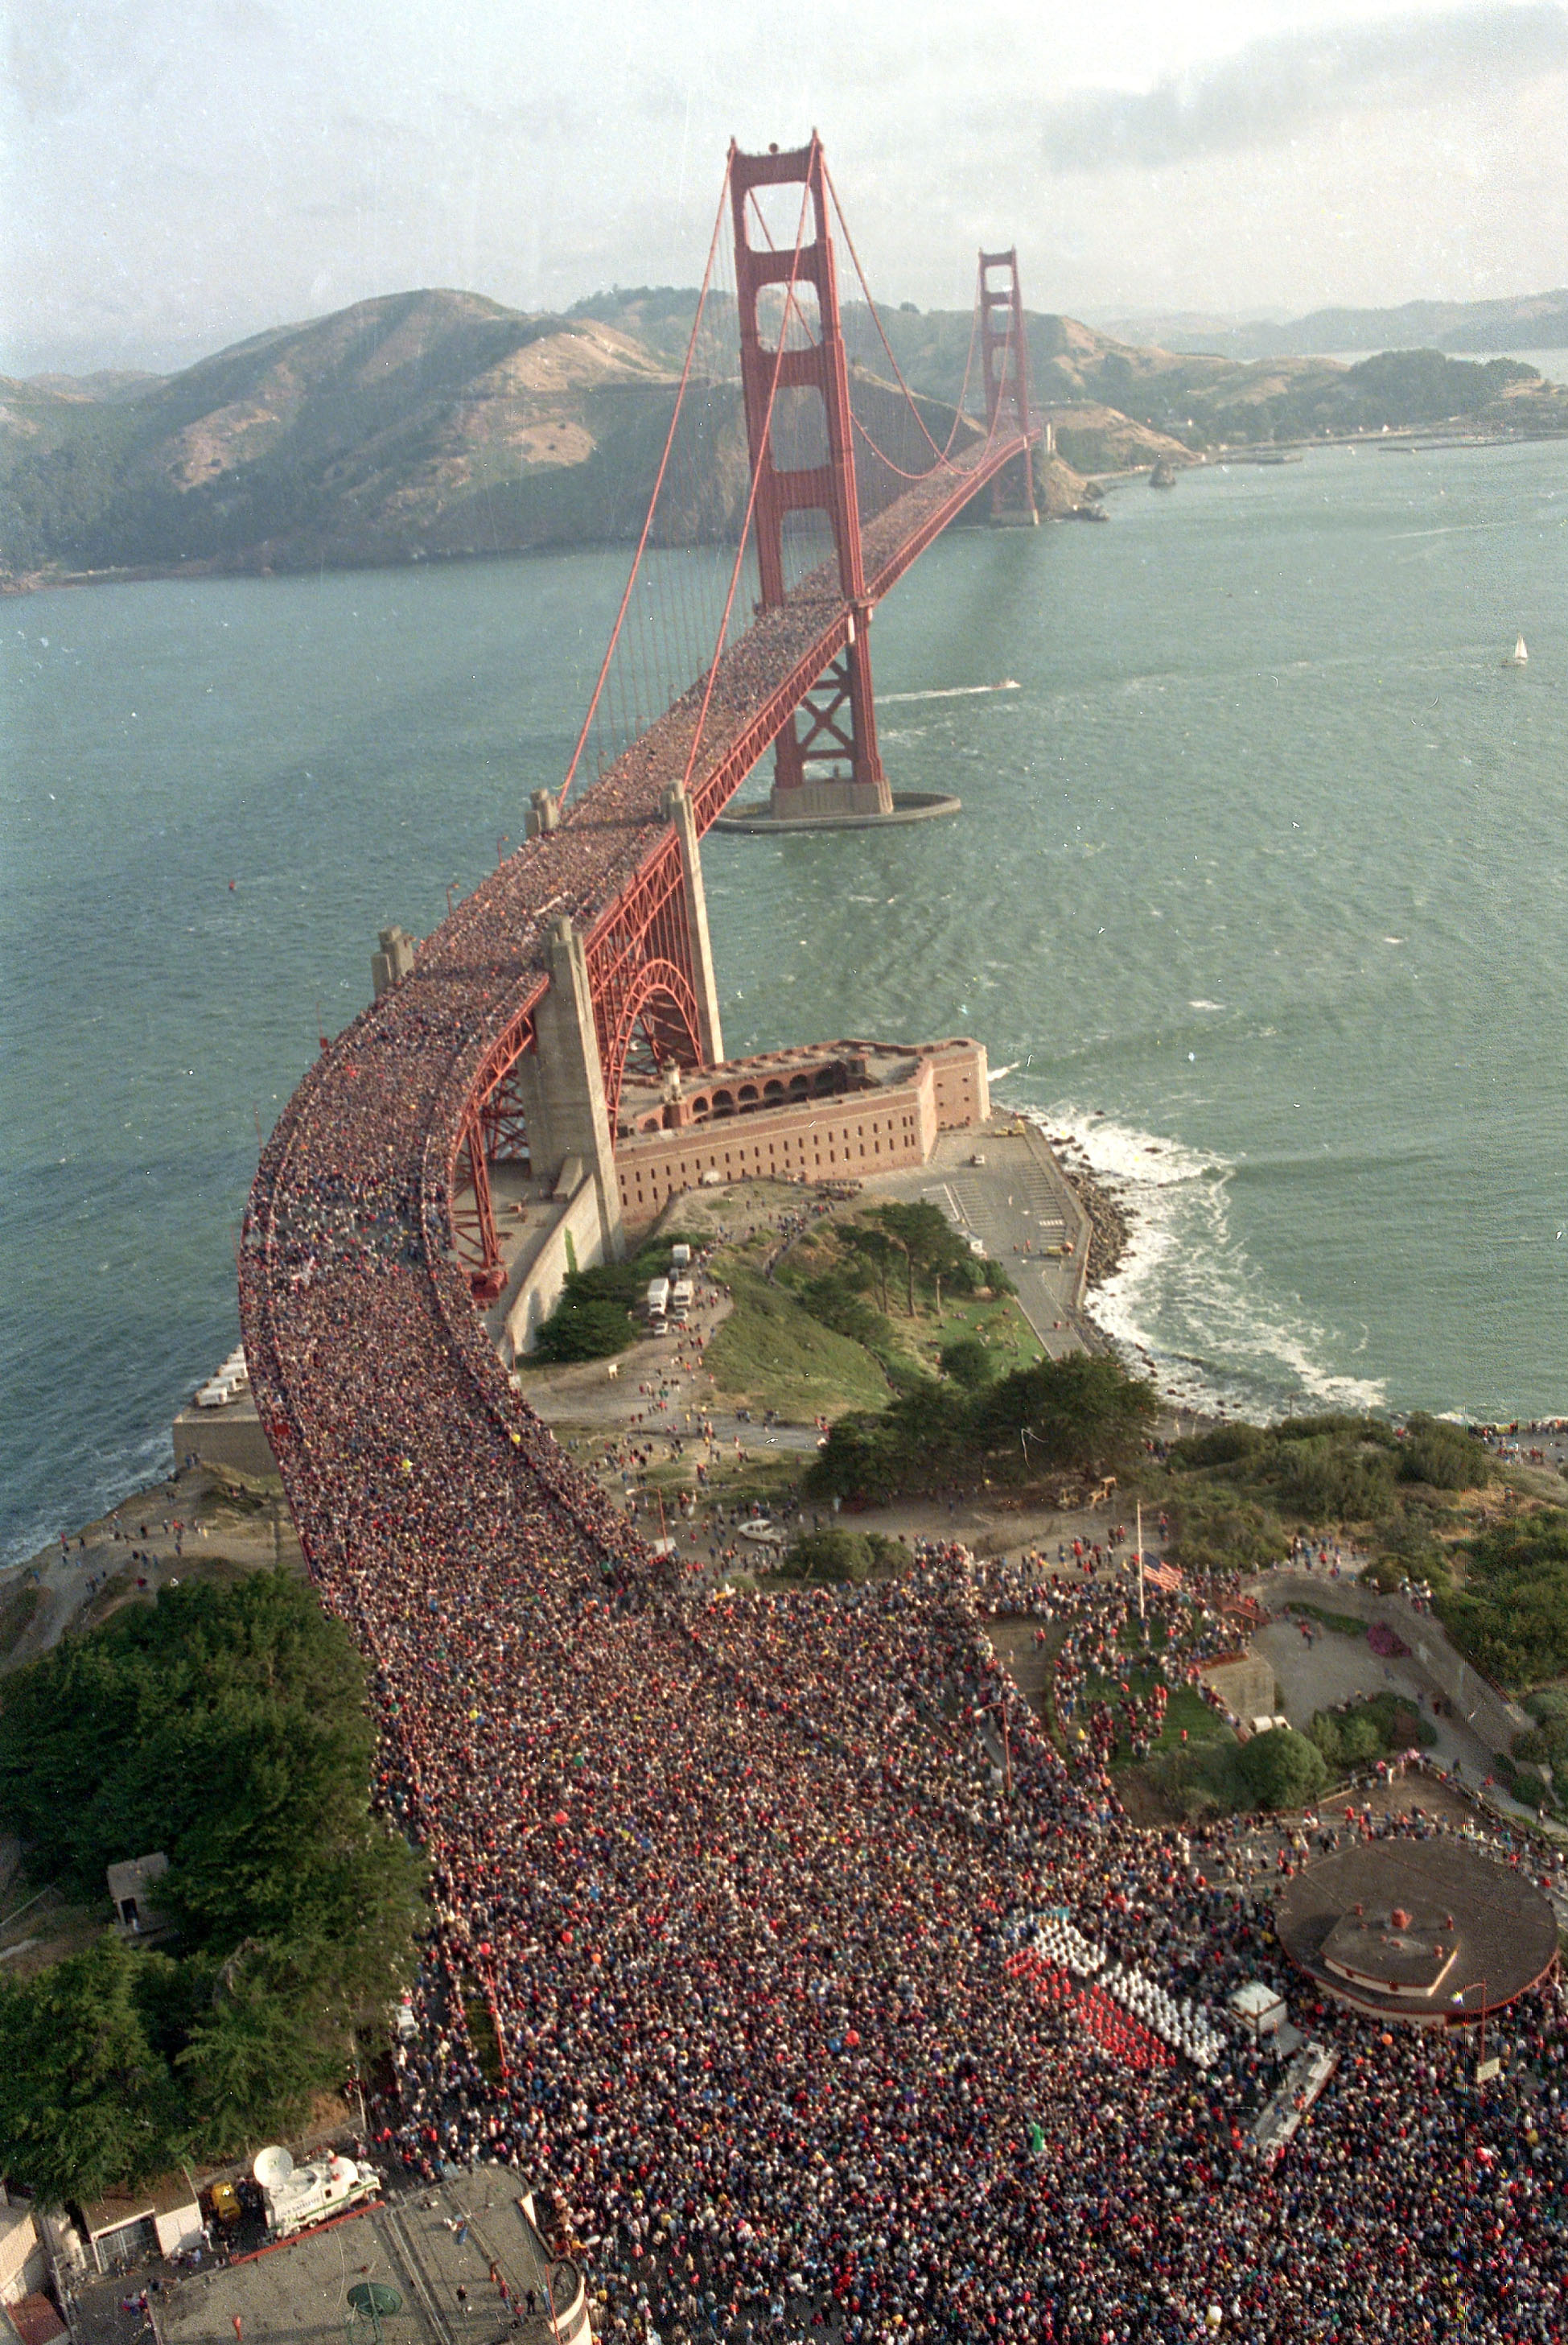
(378, 1388)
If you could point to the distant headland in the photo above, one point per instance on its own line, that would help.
(432, 426)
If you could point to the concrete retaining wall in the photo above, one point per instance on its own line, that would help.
(1245, 1685)
(578, 1221)
(1488, 1712)
(223, 1436)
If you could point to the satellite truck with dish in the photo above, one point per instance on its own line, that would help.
(295, 2197)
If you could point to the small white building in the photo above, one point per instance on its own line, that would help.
(130, 1887)
(160, 2219)
(1256, 2010)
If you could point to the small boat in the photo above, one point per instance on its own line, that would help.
(1518, 656)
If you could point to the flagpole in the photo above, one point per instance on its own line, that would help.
(1140, 1559)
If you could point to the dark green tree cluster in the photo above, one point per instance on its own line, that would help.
(1318, 1470)
(1281, 1769)
(1077, 1414)
(1511, 1614)
(1545, 1743)
(1356, 1731)
(593, 1316)
(838, 1554)
(227, 1728)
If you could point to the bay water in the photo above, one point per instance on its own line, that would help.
(1260, 890)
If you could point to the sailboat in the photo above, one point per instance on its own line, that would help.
(1518, 656)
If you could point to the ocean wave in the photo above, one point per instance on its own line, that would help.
(115, 1475)
(1186, 1303)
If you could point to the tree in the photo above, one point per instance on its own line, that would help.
(879, 1249)
(86, 2102)
(229, 1728)
(1081, 1413)
(968, 1363)
(250, 2067)
(1281, 1769)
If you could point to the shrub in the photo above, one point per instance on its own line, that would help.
(1214, 1532)
(1326, 1480)
(1357, 1731)
(580, 1328)
(969, 1363)
(1226, 1446)
(1512, 1616)
(1281, 1769)
(1444, 1456)
(832, 1554)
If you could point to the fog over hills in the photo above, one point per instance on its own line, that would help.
(1532, 322)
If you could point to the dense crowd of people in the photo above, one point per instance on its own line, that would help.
(737, 1879)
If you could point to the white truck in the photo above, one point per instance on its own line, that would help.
(681, 1295)
(298, 2196)
(680, 1258)
(656, 1301)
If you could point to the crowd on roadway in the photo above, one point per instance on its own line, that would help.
(732, 1880)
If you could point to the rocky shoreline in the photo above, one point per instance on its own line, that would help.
(1110, 1231)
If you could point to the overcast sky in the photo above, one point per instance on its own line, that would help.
(181, 173)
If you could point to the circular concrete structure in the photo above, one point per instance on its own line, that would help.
(1428, 1931)
(908, 805)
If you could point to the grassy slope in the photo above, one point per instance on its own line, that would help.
(770, 1354)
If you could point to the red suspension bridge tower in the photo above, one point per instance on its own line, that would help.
(600, 969)
(825, 761)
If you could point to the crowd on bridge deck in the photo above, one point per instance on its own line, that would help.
(737, 1879)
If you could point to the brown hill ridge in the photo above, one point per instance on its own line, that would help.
(436, 424)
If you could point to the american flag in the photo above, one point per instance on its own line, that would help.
(1163, 1576)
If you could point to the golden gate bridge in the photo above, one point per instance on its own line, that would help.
(507, 1033)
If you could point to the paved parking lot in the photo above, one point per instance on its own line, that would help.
(1018, 1198)
(436, 2247)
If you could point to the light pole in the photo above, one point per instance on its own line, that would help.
(1459, 1999)
(1139, 1537)
(1001, 1709)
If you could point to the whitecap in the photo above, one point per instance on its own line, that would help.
(1206, 1005)
(1186, 1295)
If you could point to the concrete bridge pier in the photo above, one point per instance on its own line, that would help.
(678, 808)
(562, 1086)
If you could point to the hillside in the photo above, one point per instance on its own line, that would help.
(432, 425)
(1199, 399)
(418, 427)
(424, 424)
(1536, 321)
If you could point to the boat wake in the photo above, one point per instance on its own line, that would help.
(950, 692)
(1186, 1303)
